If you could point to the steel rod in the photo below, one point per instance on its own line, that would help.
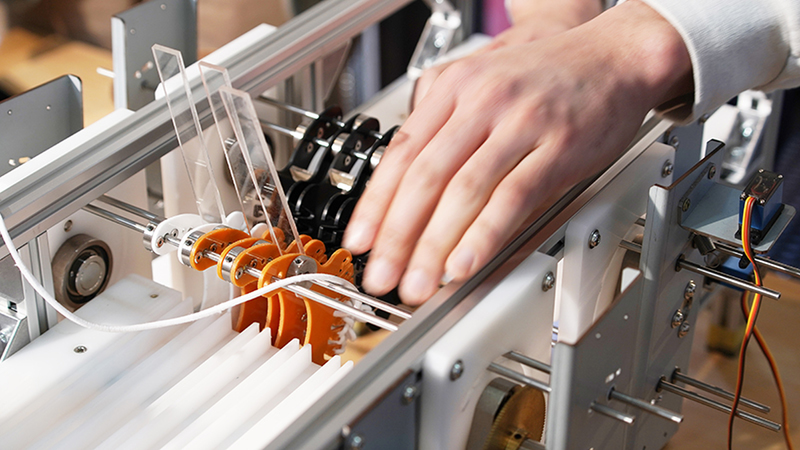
(632, 246)
(518, 377)
(613, 413)
(527, 361)
(689, 395)
(135, 210)
(725, 278)
(761, 260)
(295, 134)
(307, 113)
(646, 407)
(339, 306)
(678, 376)
(366, 299)
(116, 218)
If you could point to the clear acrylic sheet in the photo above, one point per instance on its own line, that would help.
(171, 72)
(250, 137)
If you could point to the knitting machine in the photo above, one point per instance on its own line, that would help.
(227, 327)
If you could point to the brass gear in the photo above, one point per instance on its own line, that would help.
(520, 418)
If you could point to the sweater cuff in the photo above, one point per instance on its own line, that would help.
(734, 45)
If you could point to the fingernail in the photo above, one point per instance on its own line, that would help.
(378, 275)
(446, 279)
(417, 285)
(358, 236)
(460, 262)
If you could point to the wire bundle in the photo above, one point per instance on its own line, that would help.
(751, 314)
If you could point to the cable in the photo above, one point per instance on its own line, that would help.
(751, 317)
(762, 343)
(215, 310)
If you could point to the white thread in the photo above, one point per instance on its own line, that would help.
(218, 309)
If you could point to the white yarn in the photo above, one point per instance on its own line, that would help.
(215, 310)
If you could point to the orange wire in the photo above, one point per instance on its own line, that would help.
(750, 329)
(762, 343)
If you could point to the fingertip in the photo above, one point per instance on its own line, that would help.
(358, 237)
(380, 276)
(417, 286)
(460, 263)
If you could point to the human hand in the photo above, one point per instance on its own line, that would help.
(500, 135)
(533, 19)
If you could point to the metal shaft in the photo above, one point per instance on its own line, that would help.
(689, 395)
(646, 407)
(518, 377)
(309, 114)
(530, 362)
(725, 278)
(299, 290)
(293, 133)
(366, 299)
(135, 210)
(680, 377)
(761, 260)
(632, 246)
(116, 218)
(613, 413)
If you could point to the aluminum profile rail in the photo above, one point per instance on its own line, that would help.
(41, 195)
(382, 367)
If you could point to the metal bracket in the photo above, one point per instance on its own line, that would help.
(172, 23)
(36, 120)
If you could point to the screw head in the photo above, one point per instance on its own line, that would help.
(594, 239)
(675, 142)
(356, 442)
(457, 370)
(712, 171)
(409, 394)
(67, 226)
(667, 169)
(685, 204)
(80, 349)
(548, 282)
(677, 318)
(689, 291)
(684, 330)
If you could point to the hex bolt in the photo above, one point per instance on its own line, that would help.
(667, 169)
(684, 330)
(457, 370)
(356, 442)
(677, 318)
(409, 394)
(594, 239)
(548, 282)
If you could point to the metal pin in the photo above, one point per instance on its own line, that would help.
(124, 221)
(677, 376)
(518, 377)
(762, 261)
(724, 278)
(646, 407)
(309, 114)
(339, 306)
(366, 299)
(632, 246)
(689, 395)
(613, 413)
(293, 133)
(127, 207)
(530, 362)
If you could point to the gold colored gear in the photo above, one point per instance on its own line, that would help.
(520, 418)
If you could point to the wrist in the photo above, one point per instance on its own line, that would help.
(569, 12)
(646, 52)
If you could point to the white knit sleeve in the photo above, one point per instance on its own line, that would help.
(735, 45)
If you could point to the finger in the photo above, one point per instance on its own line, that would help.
(421, 188)
(407, 143)
(511, 204)
(461, 203)
(424, 83)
